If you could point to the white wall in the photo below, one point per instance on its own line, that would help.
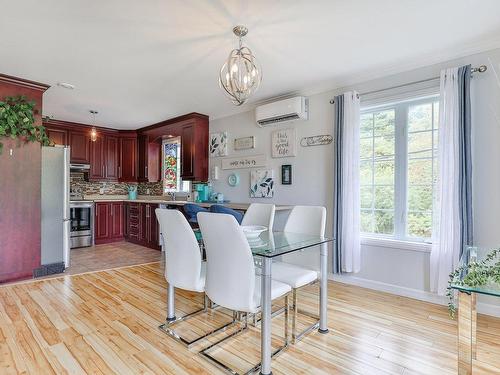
(401, 271)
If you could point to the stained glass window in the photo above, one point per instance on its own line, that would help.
(171, 172)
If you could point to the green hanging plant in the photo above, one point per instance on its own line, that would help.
(17, 120)
(477, 274)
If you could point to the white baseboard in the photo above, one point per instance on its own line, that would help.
(422, 295)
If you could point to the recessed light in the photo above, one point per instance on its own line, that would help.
(66, 85)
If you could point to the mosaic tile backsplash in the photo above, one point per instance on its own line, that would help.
(79, 185)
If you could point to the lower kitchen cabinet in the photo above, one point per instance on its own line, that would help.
(108, 225)
(141, 226)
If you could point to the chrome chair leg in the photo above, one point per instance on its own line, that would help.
(245, 326)
(298, 336)
(165, 327)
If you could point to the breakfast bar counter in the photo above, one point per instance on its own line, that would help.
(163, 200)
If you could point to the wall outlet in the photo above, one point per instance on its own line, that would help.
(148, 191)
(101, 190)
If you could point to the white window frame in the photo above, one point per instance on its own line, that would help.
(399, 239)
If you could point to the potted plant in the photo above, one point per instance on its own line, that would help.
(17, 121)
(476, 274)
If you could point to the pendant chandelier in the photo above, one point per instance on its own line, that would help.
(240, 76)
(93, 131)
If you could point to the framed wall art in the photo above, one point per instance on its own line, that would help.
(218, 144)
(244, 143)
(283, 143)
(286, 174)
(262, 183)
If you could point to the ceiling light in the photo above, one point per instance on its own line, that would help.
(240, 76)
(93, 131)
(66, 85)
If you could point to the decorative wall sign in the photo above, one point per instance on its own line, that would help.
(240, 162)
(262, 183)
(286, 174)
(317, 140)
(283, 143)
(233, 179)
(244, 143)
(218, 144)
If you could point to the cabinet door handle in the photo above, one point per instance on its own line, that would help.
(119, 171)
(102, 170)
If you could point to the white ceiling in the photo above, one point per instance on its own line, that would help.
(142, 61)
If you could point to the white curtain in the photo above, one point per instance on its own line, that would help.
(347, 252)
(446, 242)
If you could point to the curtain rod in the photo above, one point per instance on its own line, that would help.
(480, 69)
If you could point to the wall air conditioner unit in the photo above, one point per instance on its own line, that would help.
(296, 108)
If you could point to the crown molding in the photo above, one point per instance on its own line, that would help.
(23, 83)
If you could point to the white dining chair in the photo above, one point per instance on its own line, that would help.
(260, 214)
(305, 220)
(231, 281)
(184, 268)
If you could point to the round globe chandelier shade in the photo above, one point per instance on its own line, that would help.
(240, 76)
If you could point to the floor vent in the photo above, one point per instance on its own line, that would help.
(48, 269)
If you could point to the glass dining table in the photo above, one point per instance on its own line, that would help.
(265, 248)
(467, 311)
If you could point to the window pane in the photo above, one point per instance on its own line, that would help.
(367, 221)
(384, 197)
(384, 122)
(436, 115)
(384, 172)
(419, 224)
(384, 146)
(384, 222)
(420, 198)
(366, 126)
(366, 197)
(366, 148)
(365, 173)
(419, 141)
(420, 117)
(420, 172)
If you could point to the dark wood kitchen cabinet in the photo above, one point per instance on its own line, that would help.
(80, 147)
(57, 136)
(127, 167)
(111, 157)
(104, 157)
(151, 226)
(108, 226)
(116, 221)
(141, 226)
(149, 159)
(101, 224)
(188, 152)
(97, 160)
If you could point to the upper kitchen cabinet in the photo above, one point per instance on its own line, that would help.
(192, 129)
(57, 136)
(194, 149)
(127, 167)
(79, 141)
(104, 158)
(149, 159)
(111, 157)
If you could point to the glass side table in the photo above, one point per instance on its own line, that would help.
(467, 312)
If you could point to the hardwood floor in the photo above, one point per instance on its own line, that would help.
(107, 322)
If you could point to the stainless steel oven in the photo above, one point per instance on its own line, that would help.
(82, 223)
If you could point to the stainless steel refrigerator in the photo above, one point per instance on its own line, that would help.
(55, 209)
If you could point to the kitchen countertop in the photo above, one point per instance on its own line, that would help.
(163, 200)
